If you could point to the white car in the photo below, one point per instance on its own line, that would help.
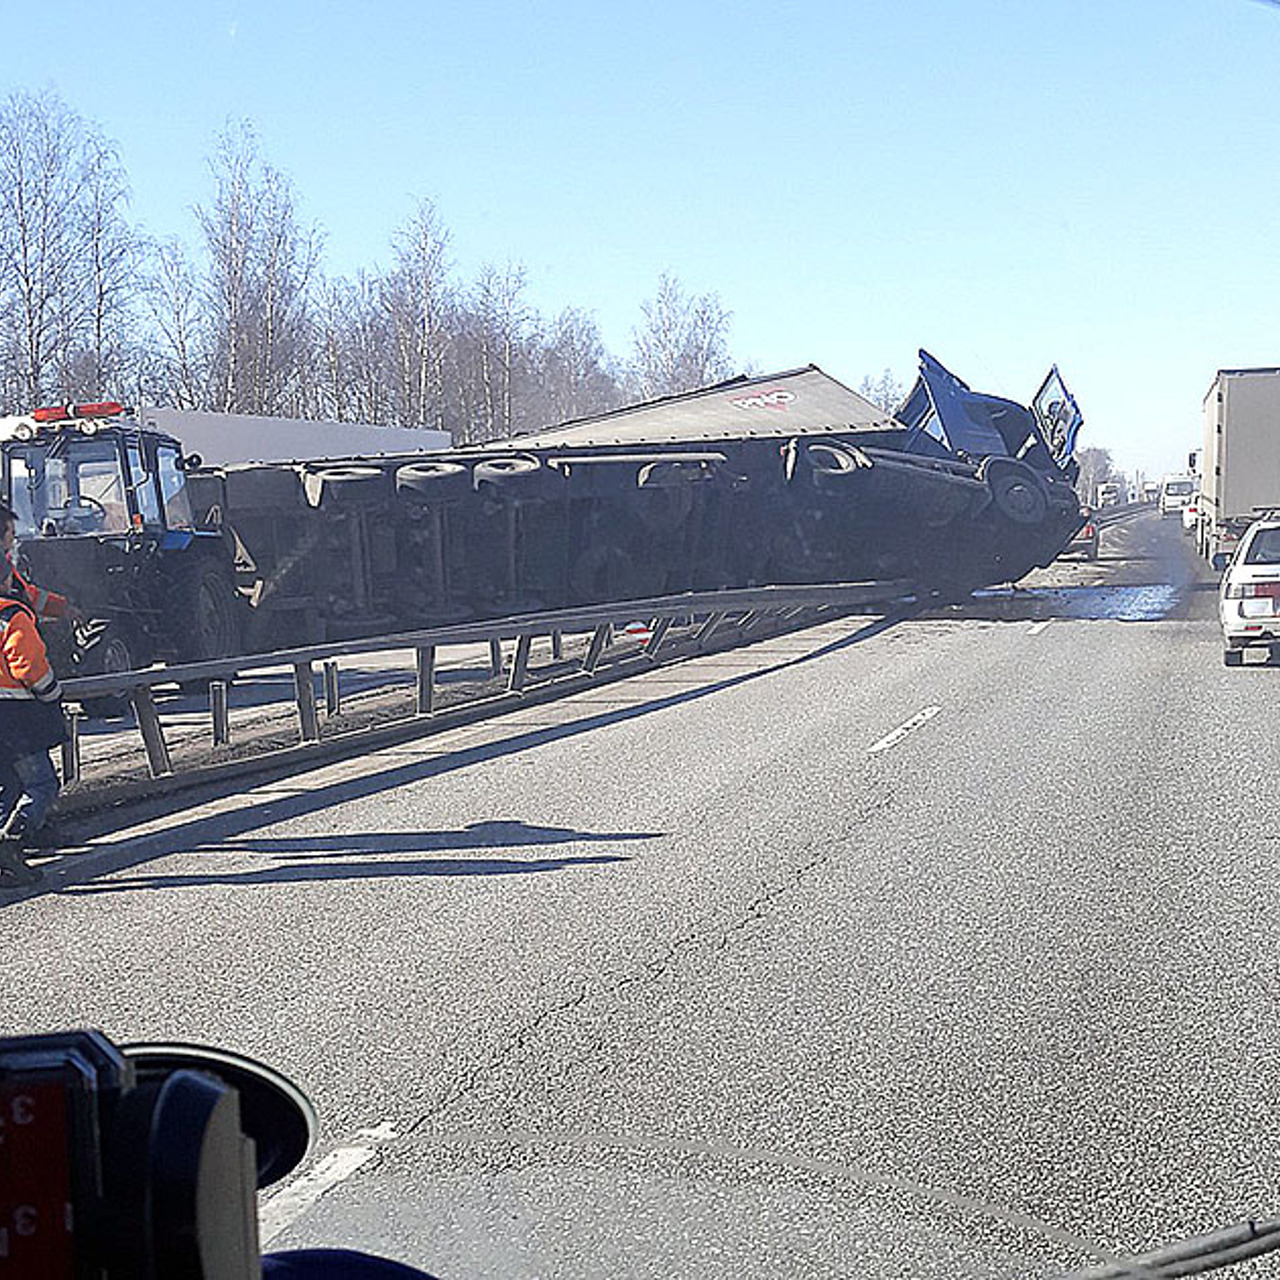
(1249, 600)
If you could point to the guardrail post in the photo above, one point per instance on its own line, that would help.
(332, 694)
(144, 709)
(520, 664)
(557, 646)
(71, 749)
(599, 638)
(305, 689)
(657, 634)
(218, 713)
(704, 632)
(425, 664)
(495, 658)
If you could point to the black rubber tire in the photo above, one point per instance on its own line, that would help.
(209, 613)
(1017, 492)
(354, 484)
(437, 481)
(115, 652)
(520, 476)
(673, 474)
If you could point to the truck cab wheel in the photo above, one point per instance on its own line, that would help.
(1016, 491)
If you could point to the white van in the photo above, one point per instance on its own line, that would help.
(1175, 493)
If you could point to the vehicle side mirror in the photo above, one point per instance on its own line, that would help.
(1220, 561)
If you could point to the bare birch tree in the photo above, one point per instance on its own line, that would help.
(65, 252)
(173, 301)
(885, 391)
(415, 296)
(260, 268)
(683, 342)
(500, 323)
(575, 379)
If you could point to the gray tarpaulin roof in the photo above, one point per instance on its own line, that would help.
(782, 404)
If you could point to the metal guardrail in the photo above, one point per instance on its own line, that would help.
(1105, 516)
(704, 612)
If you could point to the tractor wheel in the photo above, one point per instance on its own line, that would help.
(114, 652)
(209, 614)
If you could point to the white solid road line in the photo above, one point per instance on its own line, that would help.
(892, 739)
(1037, 627)
(291, 1202)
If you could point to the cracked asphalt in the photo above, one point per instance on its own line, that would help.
(679, 977)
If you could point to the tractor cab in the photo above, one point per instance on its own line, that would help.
(104, 516)
(78, 470)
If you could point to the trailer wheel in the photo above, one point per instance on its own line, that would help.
(495, 470)
(519, 476)
(1016, 491)
(435, 480)
(345, 484)
(208, 615)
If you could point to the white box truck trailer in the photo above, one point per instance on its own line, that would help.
(222, 439)
(1240, 477)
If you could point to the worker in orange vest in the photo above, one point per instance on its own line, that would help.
(31, 720)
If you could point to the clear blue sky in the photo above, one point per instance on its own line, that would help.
(1007, 183)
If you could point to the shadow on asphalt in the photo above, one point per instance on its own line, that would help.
(290, 852)
(321, 871)
(222, 832)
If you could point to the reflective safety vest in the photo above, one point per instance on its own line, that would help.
(46, 604)
(25, 673)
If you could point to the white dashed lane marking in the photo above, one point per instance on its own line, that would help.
(892, 739)
(288, 1204)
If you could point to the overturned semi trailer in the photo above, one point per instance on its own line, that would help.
(789, 478)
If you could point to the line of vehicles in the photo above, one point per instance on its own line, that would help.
(1230, 506)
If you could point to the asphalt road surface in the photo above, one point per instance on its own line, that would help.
(947, 945)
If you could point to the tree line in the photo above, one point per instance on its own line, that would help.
(249, 321)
